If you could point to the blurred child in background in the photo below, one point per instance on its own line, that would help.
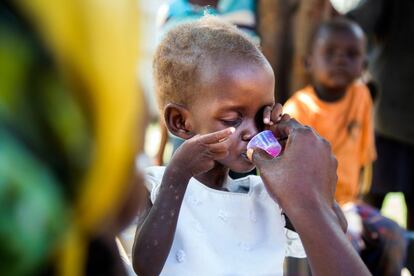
(389, 25)
(339, 108)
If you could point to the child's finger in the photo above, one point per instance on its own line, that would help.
(220, 155)
(216, 137)
(222, 146)
(267, 114)
(276, 115)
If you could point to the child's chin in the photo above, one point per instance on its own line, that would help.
(339, 84)
(242, 168)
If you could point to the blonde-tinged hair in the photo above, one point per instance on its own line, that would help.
(186, 49)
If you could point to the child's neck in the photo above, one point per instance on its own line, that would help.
(214, 178)
(329, 94)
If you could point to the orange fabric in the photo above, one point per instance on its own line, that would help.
(347, 124)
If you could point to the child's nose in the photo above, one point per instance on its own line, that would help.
(340, 58)
(250, 131)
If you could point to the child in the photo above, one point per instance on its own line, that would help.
(340, 109)
(238, 12)
(215, 89)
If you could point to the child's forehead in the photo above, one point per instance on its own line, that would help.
(234, 81)
(336, 34)
(229, 69)
(338, 40)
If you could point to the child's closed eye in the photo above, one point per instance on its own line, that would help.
(231, 122)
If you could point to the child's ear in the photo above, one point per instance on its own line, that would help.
(177, 120)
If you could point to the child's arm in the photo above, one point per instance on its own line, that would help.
(156, 230)
(304, 186)
(155, 236)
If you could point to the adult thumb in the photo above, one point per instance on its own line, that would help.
(259, 157)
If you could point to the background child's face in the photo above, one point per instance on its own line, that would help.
(233, 94)
(337, 58)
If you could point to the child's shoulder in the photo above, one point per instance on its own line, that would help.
(359, 86)
(301, 102)
(154, 171)
(361, 92)
(307, 91)
(304, 96)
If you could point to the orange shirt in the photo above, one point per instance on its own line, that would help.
(347, 124)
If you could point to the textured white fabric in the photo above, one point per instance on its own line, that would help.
(226, 233)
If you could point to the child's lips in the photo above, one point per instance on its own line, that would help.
(244, 155)
(339, 72)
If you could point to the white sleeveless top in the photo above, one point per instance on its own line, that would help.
(227, 233)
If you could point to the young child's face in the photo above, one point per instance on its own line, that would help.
(233, 94)
(337, 58)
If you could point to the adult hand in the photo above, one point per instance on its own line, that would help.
(272, 115)
(302, 180)
(304, 176)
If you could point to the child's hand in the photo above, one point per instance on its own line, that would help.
(272, 114)
(199, 153)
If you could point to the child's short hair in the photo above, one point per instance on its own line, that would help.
(338, 24)
(186, 49)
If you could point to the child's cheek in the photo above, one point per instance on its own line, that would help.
(232, 142)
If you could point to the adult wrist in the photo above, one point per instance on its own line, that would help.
(310, 210)
(314, 218)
